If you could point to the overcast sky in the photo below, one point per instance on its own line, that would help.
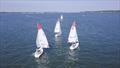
(58, 5)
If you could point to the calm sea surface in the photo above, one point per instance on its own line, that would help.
(98, 32)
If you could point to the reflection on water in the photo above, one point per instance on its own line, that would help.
(72, 59)
(72, 55)
(58, 41)
(43, 61)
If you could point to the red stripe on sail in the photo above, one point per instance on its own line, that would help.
(39, 26)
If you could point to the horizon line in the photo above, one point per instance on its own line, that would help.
(61, 11)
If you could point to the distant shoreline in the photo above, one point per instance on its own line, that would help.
(66, 12)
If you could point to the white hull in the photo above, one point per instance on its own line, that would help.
(38, 52)
(57, 34)
(74, 46)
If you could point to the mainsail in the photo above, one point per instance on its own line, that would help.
(57, 27)
(41, 40)
(73, 34)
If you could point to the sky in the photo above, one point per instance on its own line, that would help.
(58, 5)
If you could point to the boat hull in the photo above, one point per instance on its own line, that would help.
(57, 34)
(74, 46)
(38, 53)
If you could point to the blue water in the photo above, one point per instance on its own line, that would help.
(98, 32)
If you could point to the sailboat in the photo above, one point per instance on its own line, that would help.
(61, 17)
(73, 37)
(41, 42)
(57, 29)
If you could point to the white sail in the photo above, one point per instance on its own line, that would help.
(41, 40)
(61, 17)
(73, 34)
(57, 27)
